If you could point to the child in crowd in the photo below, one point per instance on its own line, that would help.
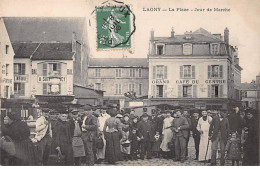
(157, 140)
(233, 149)
(134, 139)
(125, 143)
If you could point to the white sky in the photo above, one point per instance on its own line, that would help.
(243, 23)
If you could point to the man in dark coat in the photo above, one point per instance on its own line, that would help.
(89, 133)
(251, 145)
(186, 114)
(235, 121)
(180, 128)
(146, 133)
(195, 132)
(218, 133)
(62, 137)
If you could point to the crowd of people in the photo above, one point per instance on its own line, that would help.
(109, 136)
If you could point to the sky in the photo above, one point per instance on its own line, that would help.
(242, 21)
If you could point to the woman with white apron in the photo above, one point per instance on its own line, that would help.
(203, 128)
(167, 135)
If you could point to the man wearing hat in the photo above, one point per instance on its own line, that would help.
(145, 130)
(218, 133)
(62, 137)
(180, 128)
(89, 133)
(195, 132)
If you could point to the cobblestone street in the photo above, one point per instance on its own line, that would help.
(167, 162)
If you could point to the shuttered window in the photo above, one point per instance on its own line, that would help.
(187, 71)
(153, 91)
(179, 90)
(165, 72)
(154, 72)
(194, 91)
(44, 69)
(209, 91)
(165, 91)
(220, 90)
(215, 71)
(181, 71)
(45, 88)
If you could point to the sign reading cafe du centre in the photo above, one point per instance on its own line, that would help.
(188, 81)
(47, 79)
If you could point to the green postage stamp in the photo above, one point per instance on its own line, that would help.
(114, 27)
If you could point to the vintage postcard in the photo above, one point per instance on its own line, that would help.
(129, 82)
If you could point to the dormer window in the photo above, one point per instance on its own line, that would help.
(214, 48)
(160, 49)
(187, 49)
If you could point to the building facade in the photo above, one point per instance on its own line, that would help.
(250, 93)
(194, 70)
(6, 63)
(118, 76)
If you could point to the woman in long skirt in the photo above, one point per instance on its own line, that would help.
(112, 129)
(167, 135)
(203, 128)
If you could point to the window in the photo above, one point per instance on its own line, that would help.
(140, 89)
(19, 68)
(159, 72)
(244, 94)
(47, 88)
(6, 49)
(6, 91)
(97, 73)
(160, 49)
(118, 89)
(131, 87)
(48, 69)
(139, 72)
(187, 71)
(215, 91)
(118, 72)
(69, 71)
(7, 69)
(187, 49)
(187, 91)
(19, 89)
(215, 71)
(132, 72)
(159, 90)
(98, 86)
(214, 49)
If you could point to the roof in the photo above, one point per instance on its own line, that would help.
(248, 86)
(53, 51)
(78, 85)
(40, 29)
(118, 62)
(200, 35)
(24, 50)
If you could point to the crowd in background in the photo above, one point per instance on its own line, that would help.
(107, 136)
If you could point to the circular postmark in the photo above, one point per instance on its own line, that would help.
(115, 25)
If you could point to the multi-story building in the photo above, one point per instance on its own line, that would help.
(6, 63)
(117, 76)
(58, 47)
(250, 93)
(195, 69)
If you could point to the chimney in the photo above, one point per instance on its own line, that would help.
(74, 39)
(152, 35)
(172, 33)
(226, 36)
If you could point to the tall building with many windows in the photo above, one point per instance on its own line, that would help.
(117, 76)
(195, 69)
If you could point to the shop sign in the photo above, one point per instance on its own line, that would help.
(215, 81)
(161, 81)
(21, 78)
(46, 79)
(188, 81)
(5, 80)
